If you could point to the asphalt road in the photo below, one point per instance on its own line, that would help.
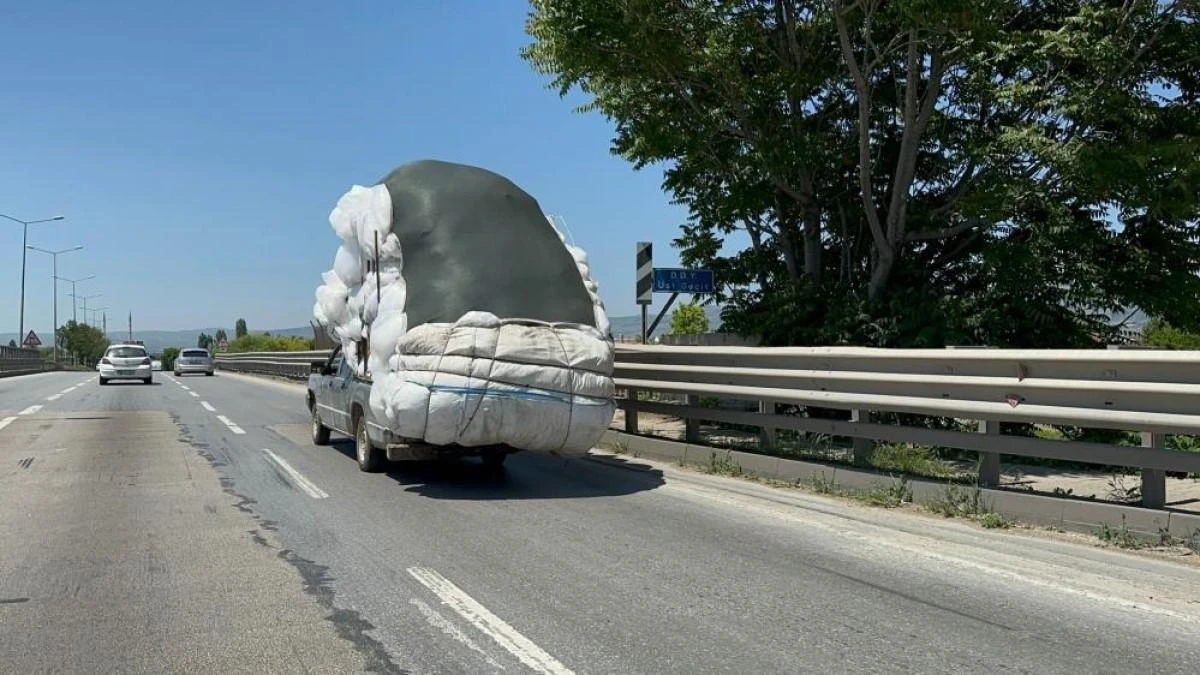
(190, 526)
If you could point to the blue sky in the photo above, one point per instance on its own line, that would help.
(197, 148)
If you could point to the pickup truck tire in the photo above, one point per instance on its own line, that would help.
(370, 458)
(320, 432)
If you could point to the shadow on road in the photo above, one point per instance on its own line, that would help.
(526, 475)
(132, 383)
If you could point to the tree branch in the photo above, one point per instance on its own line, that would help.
(946, 232)
(865, 169)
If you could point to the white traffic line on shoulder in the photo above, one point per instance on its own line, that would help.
(307, 486)
(54, 397)
(231, 424)
(30, 410)
(443, 624)
(491, 625)
(208, 406)
(7, 421)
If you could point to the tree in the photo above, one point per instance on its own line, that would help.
(204, 341)
(911, 172)
(689, 319)
(86, 342)
(220, 335)
(12, 343)
(239, 329)
(169, 354)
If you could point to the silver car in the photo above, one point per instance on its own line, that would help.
(194, 361)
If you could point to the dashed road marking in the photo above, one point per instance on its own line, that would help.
(298, 478)
(30, 410)
(7, 421)
(443, 624)
(54, 397)
(185, 388)
(231, 424)
(208, 406)
(194, 394)
(68, 390)
(491, 625)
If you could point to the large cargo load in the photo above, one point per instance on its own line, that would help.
(477, 323)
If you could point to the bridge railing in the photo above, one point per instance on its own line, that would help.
(1156, 393)
(19, 361)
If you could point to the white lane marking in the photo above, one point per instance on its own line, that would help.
(208, 406)
(7, 421)
(30, 410)
(185, 388)
(194, 394)
(54, 397)
(493, 626)
(443, 624)
(68, 390)
(231, 424)
(301, 482)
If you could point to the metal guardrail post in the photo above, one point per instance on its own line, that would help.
(768, 436)
(631, 415)
(989, 462)
(691, 426)
(1154, 481)
(863, 447)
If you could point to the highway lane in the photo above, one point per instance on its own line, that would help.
(562, 566)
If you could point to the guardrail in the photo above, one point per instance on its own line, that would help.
(19, 361)
(1156, 393)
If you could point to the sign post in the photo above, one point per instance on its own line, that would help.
(645, 281)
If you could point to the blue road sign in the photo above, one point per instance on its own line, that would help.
(668, 280)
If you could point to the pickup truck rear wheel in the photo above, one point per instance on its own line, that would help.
(370, 458)
(493, 460)
(320, 432)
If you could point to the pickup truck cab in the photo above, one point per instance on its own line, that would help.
(339, 400)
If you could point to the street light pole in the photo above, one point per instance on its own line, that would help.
(25, 242)
(54, 255)
(74, 309)
(85, 298)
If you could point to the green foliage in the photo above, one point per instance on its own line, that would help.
(239, 329)
(689, 319)
(168, 357)
(12, 343)
(205, 341)
(1158, 333)
(909, 173)
(270, 343)
(86, 342)
(221, 335)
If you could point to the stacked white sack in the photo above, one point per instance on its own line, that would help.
(484, 381)
(529, 385)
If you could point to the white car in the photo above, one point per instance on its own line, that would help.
(126, 362)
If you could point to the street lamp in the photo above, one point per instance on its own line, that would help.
(93, 320)
(25, 242)
(74, 311)
(85, 298)
(54, 254)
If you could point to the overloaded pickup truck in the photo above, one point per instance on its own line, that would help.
(339, 400)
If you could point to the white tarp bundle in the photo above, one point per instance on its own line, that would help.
(481, 380)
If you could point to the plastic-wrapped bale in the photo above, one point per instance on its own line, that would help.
(484, 326)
